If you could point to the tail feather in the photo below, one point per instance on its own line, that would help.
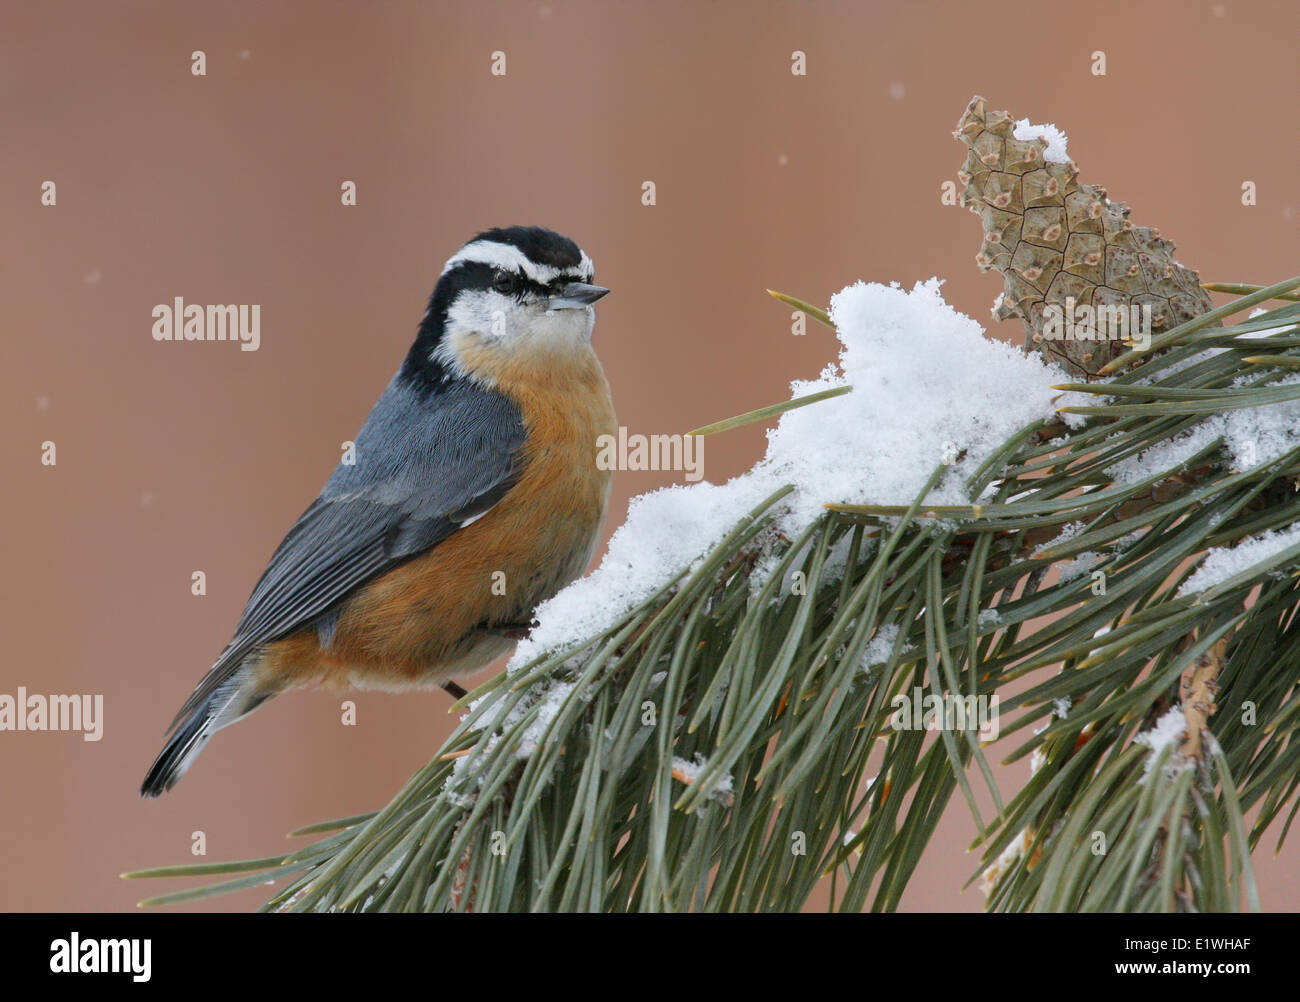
(182, 749)
(234, 698)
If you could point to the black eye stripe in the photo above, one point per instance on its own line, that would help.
(473, 274)
(523, 284)
(563, 280)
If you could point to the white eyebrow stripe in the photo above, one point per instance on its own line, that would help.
(511, 258)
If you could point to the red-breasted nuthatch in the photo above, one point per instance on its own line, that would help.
(475, 474)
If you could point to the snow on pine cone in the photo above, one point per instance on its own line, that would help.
(1055, 239)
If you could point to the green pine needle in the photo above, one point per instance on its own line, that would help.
(772, 410)
(730, 741)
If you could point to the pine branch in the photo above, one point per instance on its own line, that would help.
(732, 741)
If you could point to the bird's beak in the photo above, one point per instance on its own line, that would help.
(575, 296)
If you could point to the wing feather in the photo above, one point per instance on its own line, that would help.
(426, 464)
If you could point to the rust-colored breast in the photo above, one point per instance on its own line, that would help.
(421, 622)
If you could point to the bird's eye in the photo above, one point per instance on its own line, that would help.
(504, 282)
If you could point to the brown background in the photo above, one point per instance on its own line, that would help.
(225, 188)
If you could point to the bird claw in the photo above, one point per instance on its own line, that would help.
(511, 631)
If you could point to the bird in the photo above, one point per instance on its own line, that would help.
(473, 494)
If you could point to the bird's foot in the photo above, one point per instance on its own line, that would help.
(511, 631)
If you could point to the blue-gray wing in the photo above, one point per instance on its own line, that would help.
(424, 466)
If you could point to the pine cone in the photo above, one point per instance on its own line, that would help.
(1054, 239)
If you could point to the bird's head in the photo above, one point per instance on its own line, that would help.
(509, 294)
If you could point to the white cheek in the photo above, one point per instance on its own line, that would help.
(502, 322)
(572, 326)
(487, 312)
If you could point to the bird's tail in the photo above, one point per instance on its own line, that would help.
(235, 697)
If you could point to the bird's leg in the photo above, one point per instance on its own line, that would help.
(511, 631)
